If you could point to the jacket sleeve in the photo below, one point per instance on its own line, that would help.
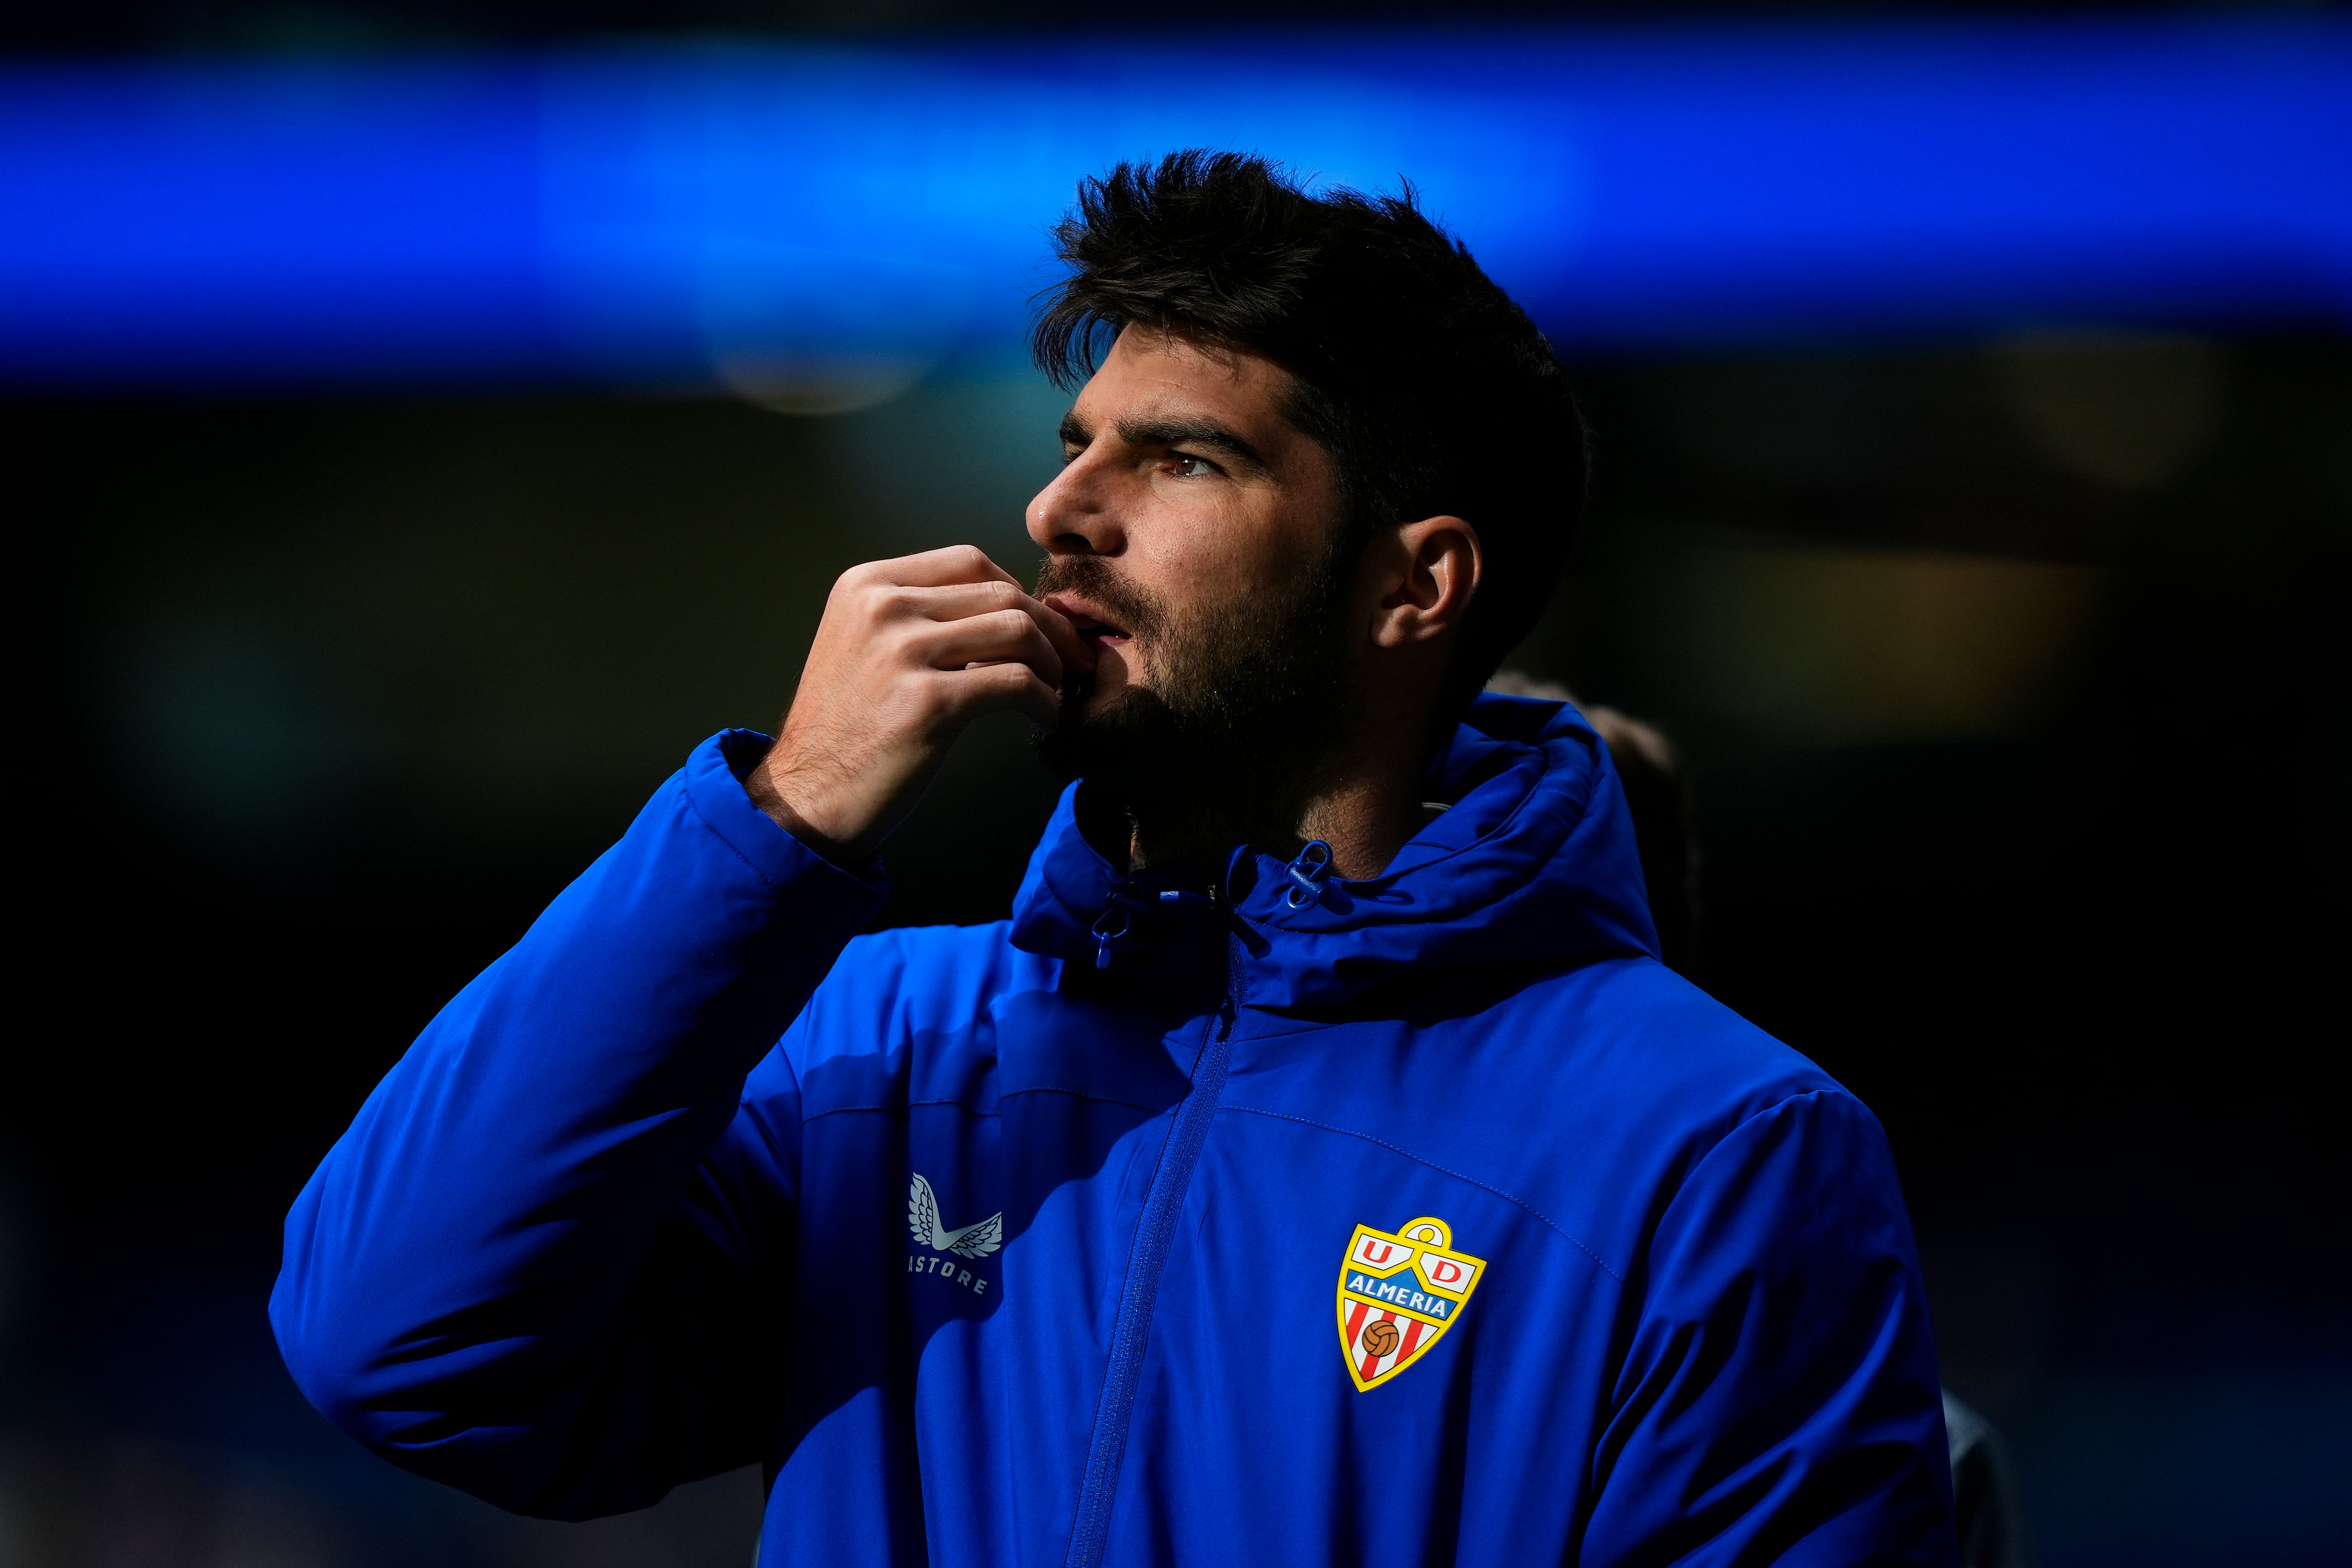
(1779, 1402)
(544, 1263)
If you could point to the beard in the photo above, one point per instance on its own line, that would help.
(1225, 739)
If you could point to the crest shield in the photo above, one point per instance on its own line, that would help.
(1399, 1293)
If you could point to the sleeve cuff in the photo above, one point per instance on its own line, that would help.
(714, 785)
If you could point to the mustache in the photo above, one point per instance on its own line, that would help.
(1133, 609)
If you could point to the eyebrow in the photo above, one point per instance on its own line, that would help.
(1205, 433)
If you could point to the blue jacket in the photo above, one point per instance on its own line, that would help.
(1427, 1218)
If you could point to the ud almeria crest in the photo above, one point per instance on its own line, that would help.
(1398, 1293)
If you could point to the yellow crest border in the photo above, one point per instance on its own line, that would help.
(1424, 1283)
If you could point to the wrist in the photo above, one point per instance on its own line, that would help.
(766, 785)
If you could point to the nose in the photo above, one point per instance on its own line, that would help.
(1075, 515)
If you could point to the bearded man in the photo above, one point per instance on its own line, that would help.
(1317, 1167)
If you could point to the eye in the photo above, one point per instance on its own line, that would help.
(1186, 466)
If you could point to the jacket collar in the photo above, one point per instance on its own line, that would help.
(1532, 865)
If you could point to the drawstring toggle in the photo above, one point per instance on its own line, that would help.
(1306, 873)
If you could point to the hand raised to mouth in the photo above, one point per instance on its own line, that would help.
(909, 653)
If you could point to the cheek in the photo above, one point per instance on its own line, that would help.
(1214, 547)
(1212, 561)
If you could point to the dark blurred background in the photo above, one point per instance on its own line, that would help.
(2008, 661)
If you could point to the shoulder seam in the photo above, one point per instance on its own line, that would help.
(1037, 1089)
(1082, 1094)
(851, 1111)
(1511, 1197)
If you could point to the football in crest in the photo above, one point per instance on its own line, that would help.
(1401, 1292)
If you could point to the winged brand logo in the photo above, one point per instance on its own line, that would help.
(972, 1243)
(1400, 1292)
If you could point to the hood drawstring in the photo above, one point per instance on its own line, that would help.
(1117, 921)
(1128, 903)
(1116, 926)
(1306, 873)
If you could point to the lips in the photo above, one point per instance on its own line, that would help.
(1097, 636)
(1093, 630)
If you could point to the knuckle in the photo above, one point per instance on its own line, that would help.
(902, 644)
(927, 702)
(992, 678)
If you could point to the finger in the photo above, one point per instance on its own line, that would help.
(994, 688)
(956, 600)
(1075, 651)
(960, 600)
(998, 637)
(939, 568)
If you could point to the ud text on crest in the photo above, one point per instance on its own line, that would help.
(1399, 1293)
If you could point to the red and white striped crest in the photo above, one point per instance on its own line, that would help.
(1399, 1293)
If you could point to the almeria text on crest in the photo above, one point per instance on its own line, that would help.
(1400, 1292)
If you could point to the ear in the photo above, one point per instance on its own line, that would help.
(1431, 571)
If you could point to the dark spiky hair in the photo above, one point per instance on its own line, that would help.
(1432, 390)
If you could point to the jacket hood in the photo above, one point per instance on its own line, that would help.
(1532, 864)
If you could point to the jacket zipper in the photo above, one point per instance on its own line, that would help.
(1090, 1534)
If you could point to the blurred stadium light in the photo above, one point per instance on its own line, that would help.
(818, 226)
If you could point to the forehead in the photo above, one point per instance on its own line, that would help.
(1153, 373)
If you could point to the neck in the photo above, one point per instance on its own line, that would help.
(1365, 804)
(1365, 822)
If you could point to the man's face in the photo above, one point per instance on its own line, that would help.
(1189, 538)
(1193, 492)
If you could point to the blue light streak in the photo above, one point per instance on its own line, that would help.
(802, 220)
